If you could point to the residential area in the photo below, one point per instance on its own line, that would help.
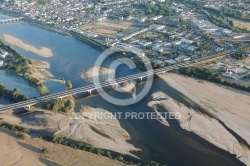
(166, 32)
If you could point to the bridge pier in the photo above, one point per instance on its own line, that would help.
(28, 106)
(61, 97)
(89, 91)
(116, 85)
(11, 20)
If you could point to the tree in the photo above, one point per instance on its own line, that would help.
(45, 151)
(120, 158)
(21, 135)
(57, 139)
(15, 93)
(26, 131)
(69, 84)
(109, 154)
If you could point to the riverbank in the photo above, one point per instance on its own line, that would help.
(92, 43)
(23, 152)
(226, 108)
(89, 41)
(41, 70)
(42, 51)
(22, 66)
(92, 130)
(92, 73)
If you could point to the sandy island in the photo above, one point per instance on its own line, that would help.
(98, 132)
(103, 73)
(228, 109)
(107, 74)
(41, 70)
(224, 106)
(42, 51)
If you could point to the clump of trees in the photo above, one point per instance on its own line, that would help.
(235, 14)
(58, 105)
(241, 54)
(156, 9)
(210, 75)
(21, 132)
(38, 84)
(21, 135)
(19, 65)
(12, 94)
(69, 84)
(22, 66)
(42, 2)
(218, 18)
(203, 73)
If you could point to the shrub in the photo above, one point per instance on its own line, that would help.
(45, 151)
(21, 135)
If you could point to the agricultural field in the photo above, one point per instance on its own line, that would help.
(241, 24)
(107, 27)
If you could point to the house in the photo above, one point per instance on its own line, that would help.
(174, 43)
(142, 19)
(1, 63)
(182, 58)
(144, 43)
(227, 31)
(156, 17)
(3, 53)
(159, 49)
(170, 61)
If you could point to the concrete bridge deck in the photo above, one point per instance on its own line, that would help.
(91, 87)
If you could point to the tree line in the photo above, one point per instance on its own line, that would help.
(12, 94)
(23, 132)
(58, 105)
(219, 18)
(22, 66)
(210, 75)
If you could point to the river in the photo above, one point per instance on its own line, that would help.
(171, 146)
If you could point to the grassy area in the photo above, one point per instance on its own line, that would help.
(240, 23)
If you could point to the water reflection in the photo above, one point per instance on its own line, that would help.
(11, 80)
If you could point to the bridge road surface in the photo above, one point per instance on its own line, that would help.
(87, 88)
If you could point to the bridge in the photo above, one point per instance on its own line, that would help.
(90, 88)
(11, 20)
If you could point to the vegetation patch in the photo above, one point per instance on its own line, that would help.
(210, 75)
(23, 67)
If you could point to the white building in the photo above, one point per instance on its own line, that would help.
(1, 63)
(155, 48)
(3, 53)
(170, 61)
(144, 43)
(156, 17)
(182, 58)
